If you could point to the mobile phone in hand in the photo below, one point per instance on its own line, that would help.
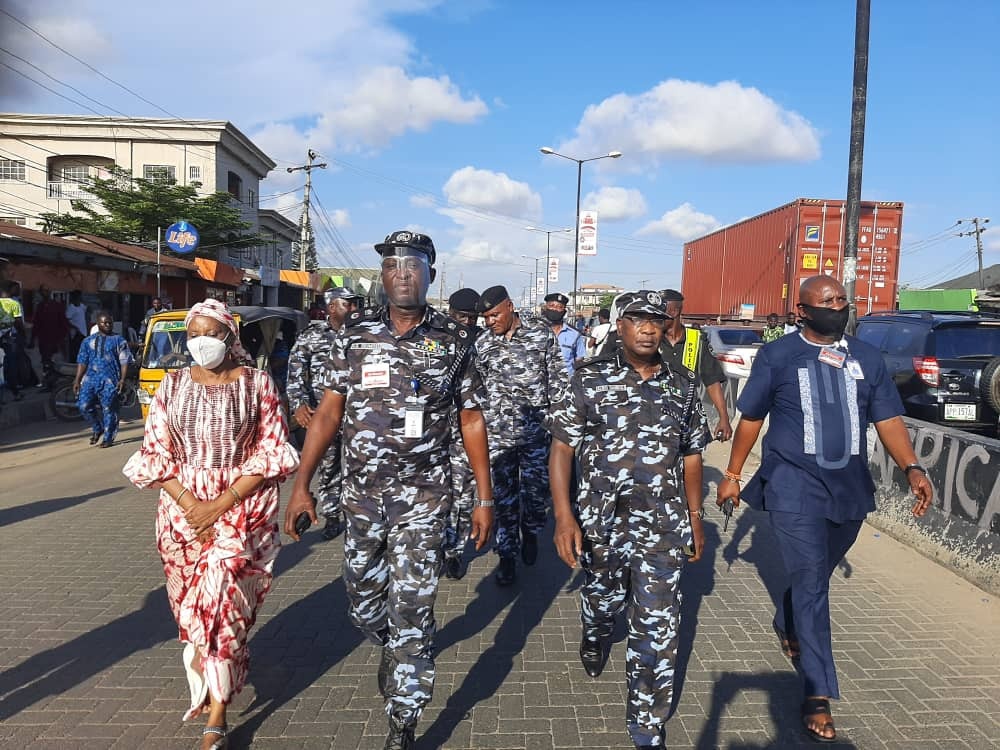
(302, 522)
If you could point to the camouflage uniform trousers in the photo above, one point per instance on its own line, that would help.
(392, 561)
(638, 570)
(329, 481)
(463, 497)
(520, 490)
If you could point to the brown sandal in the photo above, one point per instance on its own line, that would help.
(812, 707)
(789, 646)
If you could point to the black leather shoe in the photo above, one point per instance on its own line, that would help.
(592, 655)
(400, 737)
(386, 666)
(529, 547)
(334, 527)
(506, 571)
(453, 568)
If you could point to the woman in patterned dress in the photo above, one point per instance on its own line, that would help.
(216, 447)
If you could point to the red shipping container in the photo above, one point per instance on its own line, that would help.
(762, 260)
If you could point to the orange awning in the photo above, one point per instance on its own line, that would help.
(220, 273)
(301, 279)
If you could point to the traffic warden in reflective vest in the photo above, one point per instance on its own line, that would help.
(394, 378)
(461, 307)
(820, 389)
(638, 430)
(571, 342)
(306, 365)
(524, 372)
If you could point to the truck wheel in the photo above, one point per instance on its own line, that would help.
(989, 383)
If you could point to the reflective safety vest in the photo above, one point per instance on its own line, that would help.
(692, 346)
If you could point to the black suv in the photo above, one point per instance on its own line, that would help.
(946, 365)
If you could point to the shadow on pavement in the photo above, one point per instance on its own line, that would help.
(783, 696)
(42, 507)
(532, 595)
(67, 665)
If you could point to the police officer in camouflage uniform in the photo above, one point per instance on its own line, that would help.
(522, 366)
(461, 307)
(306, 364)
(637, 430)
(394, 378)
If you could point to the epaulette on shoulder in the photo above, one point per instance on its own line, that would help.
(357, 317)
(461, 332)
(592, 361)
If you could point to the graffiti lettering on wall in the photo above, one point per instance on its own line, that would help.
(964, 469)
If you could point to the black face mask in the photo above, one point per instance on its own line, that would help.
(826, 321)
(554, 316)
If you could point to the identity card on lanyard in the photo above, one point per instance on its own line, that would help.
(832, 357)
(413, 426)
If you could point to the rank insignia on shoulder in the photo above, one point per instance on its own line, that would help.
(463, 334)
(451, 325)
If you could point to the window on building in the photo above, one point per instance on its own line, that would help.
(12, 169)
(75, 173)
(235, 186)
(251, 197)
(159, 172)
(194, 174)
(19, 220)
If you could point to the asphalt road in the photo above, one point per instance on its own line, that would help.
(88, 656)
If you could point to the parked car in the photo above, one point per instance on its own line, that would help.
(946, 365)
(735, 347)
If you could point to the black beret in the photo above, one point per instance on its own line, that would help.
(411, 240)
(557, 297)
(671, 295)
(492, 297)
(643, 301)
(464, 300)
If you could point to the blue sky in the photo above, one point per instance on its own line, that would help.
(431, 115)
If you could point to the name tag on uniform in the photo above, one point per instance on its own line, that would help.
(832, 357)
(413, 425)
(375, 375)
(854, 369)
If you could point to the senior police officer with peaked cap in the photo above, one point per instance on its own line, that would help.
(637, 429)
(524, 373)
(306, 363)
(461, 307)
(394, 378)
(571, 342)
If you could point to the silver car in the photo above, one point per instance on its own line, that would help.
(735, 347)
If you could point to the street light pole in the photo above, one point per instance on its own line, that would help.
(548, 250)
(579, 180)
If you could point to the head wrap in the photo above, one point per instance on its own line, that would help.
(218, 311)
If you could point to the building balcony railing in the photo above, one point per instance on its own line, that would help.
(68, 191)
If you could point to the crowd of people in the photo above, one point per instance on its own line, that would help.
(427, 429)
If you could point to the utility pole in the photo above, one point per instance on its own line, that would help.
(978, 232)
(856, 156)
(441, 288)
(305, 228)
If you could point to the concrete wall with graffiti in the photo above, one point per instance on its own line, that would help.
(962, 529)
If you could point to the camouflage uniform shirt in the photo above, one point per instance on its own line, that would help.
(524, 376)
(630, 436)
(381, 376)
(306, 365)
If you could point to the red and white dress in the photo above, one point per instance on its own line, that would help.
(207, 437)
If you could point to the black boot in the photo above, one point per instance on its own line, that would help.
(386, 666)
(529, 547)
(334, 527)
(453, 568)
(400, 736)
(506, 571)
(592, 654)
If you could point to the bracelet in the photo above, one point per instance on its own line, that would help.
(182, 493)
(700, 512)
(483, 503)
(236, 495)
(914, 467)
(732, 477)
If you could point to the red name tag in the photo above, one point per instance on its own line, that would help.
(832, 357)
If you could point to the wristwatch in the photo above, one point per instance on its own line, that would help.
(914, 467)
(483, 503)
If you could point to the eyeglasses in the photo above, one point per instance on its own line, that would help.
(639, 320)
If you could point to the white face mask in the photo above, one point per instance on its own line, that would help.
(207, 351)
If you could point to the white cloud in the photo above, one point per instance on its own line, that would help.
(725, 122)
(681, 223)
(616, 203)
(992, 243)
(341, 218)
(493, 191)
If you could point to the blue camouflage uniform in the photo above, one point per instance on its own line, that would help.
(104, 358)
(396, 490)
(630, 437)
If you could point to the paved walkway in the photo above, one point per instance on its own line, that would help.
(88, 657)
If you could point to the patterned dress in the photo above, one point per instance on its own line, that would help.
(207, 436)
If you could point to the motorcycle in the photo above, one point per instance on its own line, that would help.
(63, 400)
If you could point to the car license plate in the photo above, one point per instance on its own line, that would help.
(960, 412)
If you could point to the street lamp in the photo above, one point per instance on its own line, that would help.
(579, 178)
(532, 288)
(548, 240)
(535, 277)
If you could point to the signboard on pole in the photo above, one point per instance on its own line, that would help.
(553, 270)
(588, 233)
(182, 237)
(540, 285)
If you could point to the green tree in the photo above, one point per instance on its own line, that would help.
(605, 300)
(130, 209)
